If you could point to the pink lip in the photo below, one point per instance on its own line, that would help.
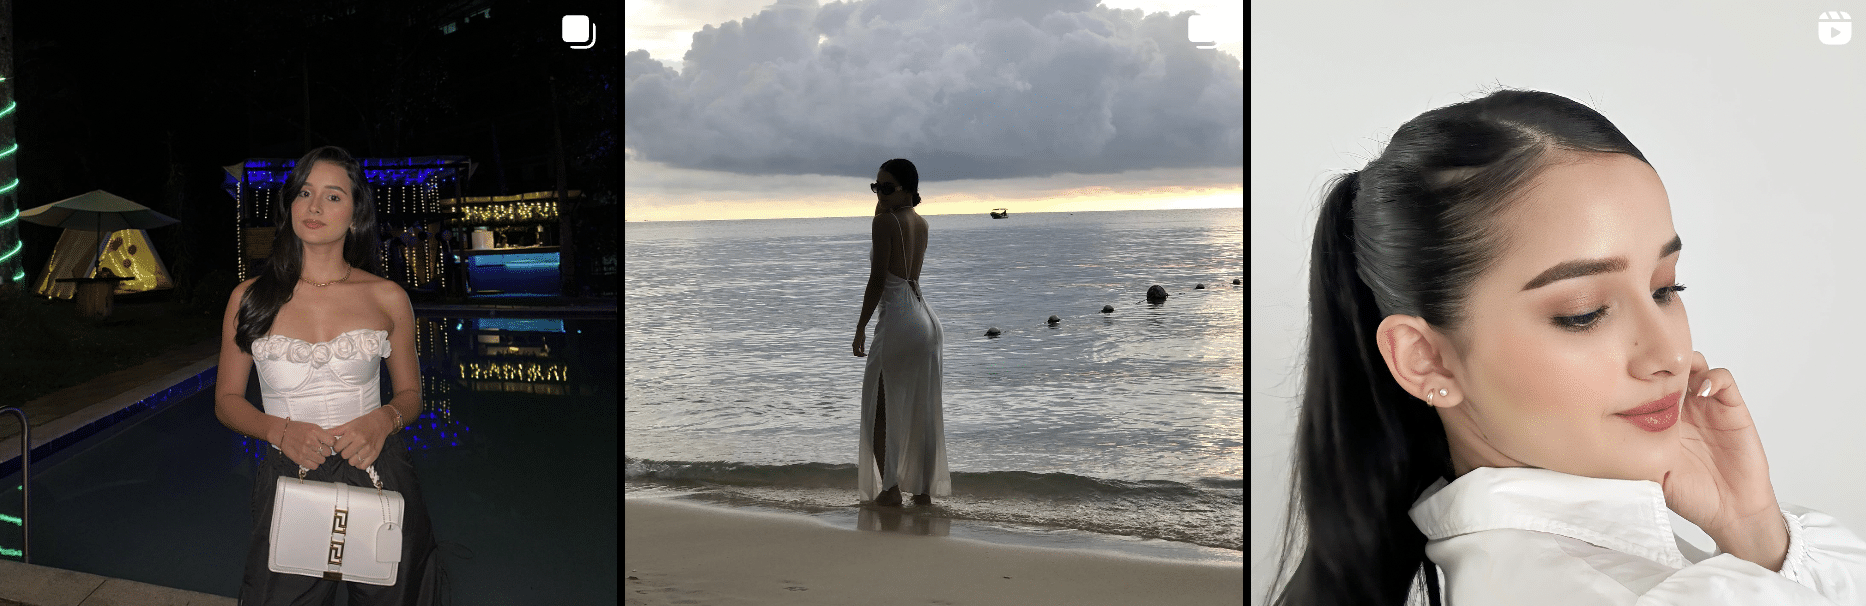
(1658, 415)
(313, 224)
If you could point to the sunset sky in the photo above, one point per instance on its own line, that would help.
(753, 109)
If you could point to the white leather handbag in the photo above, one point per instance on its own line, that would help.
(336, 532)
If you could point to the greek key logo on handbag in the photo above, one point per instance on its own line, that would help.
(315, 525)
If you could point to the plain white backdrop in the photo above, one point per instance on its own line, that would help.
(1757, 129)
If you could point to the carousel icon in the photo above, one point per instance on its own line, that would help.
(578, 30)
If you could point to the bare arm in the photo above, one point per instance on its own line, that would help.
(882, 238)
(230, 404)
(404, 371)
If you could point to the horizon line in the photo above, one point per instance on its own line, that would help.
(1034, 212)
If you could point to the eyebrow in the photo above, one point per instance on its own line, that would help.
(1588, 267)
(335, 187)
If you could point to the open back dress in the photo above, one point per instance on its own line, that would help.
(904, 359)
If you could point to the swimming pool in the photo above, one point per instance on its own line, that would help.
(516, 451)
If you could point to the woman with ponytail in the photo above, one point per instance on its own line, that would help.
(1500, 395)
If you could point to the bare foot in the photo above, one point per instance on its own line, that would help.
(890, 497)
(923, 500)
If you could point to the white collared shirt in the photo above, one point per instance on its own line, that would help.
(1534, 536)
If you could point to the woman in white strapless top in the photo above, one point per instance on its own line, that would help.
(317, 328)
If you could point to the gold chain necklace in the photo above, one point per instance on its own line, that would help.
(346, 276)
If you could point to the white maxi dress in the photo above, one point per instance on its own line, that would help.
(904, 358)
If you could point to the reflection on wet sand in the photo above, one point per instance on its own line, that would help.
(904, 520)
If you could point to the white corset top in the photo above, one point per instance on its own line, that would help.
(326, 383)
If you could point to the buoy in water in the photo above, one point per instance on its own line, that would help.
(1157, 293)
(1201, 286)
(1237, 280)
(1107, 309)
(993, 331)
(1054, 319)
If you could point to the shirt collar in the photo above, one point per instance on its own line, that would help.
(1627, 516)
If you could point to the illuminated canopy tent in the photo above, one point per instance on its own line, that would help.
(407, 193)
(100, 217)
(128, 254)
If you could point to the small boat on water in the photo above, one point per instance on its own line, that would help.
(1000, 213)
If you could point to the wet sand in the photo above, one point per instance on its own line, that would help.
(684, 553)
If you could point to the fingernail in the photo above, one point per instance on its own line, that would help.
(1706, 391)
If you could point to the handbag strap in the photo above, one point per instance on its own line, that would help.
(301, 469)
(372, 475)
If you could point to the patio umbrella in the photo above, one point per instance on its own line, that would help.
(98, 211)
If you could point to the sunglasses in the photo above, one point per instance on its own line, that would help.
(883, 188)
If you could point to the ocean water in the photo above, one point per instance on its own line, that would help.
(739, 383)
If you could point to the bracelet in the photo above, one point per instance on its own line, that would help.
(398, 418)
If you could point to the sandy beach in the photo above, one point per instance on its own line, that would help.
(683, 553)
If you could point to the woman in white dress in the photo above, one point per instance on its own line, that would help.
(1501, 398)
(317, 325)
(903, 439)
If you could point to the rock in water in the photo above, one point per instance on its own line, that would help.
(1107, 309)
(1054, 319)
(1157, 293)
(993, 331)
(1201, 286)
(1237, 280)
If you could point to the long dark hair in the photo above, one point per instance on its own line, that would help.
(278, 279)
(905, 172)
(1408, 234)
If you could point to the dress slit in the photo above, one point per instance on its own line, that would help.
(880, 450)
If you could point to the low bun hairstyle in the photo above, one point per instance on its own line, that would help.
(904, 172)
(1408, 234)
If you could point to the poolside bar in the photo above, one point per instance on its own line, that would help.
(510, 242)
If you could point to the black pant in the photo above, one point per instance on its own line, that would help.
(416, 578)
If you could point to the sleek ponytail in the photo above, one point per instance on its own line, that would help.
(1407, 235)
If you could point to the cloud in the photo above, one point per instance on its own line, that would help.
(972, 89)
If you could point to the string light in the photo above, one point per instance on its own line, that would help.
(515, 211)
(392, 176)
(9, 227)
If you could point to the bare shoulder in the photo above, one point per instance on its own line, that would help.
(393, 301)
(390, 294)
(240, 290)
(883, 226)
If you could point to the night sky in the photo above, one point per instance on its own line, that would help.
(149, 101)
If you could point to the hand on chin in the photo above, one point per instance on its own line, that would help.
(1719, 479)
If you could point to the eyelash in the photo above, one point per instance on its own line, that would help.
(1587, 321)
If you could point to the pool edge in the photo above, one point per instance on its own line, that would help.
(58, 433)
(36, 585)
